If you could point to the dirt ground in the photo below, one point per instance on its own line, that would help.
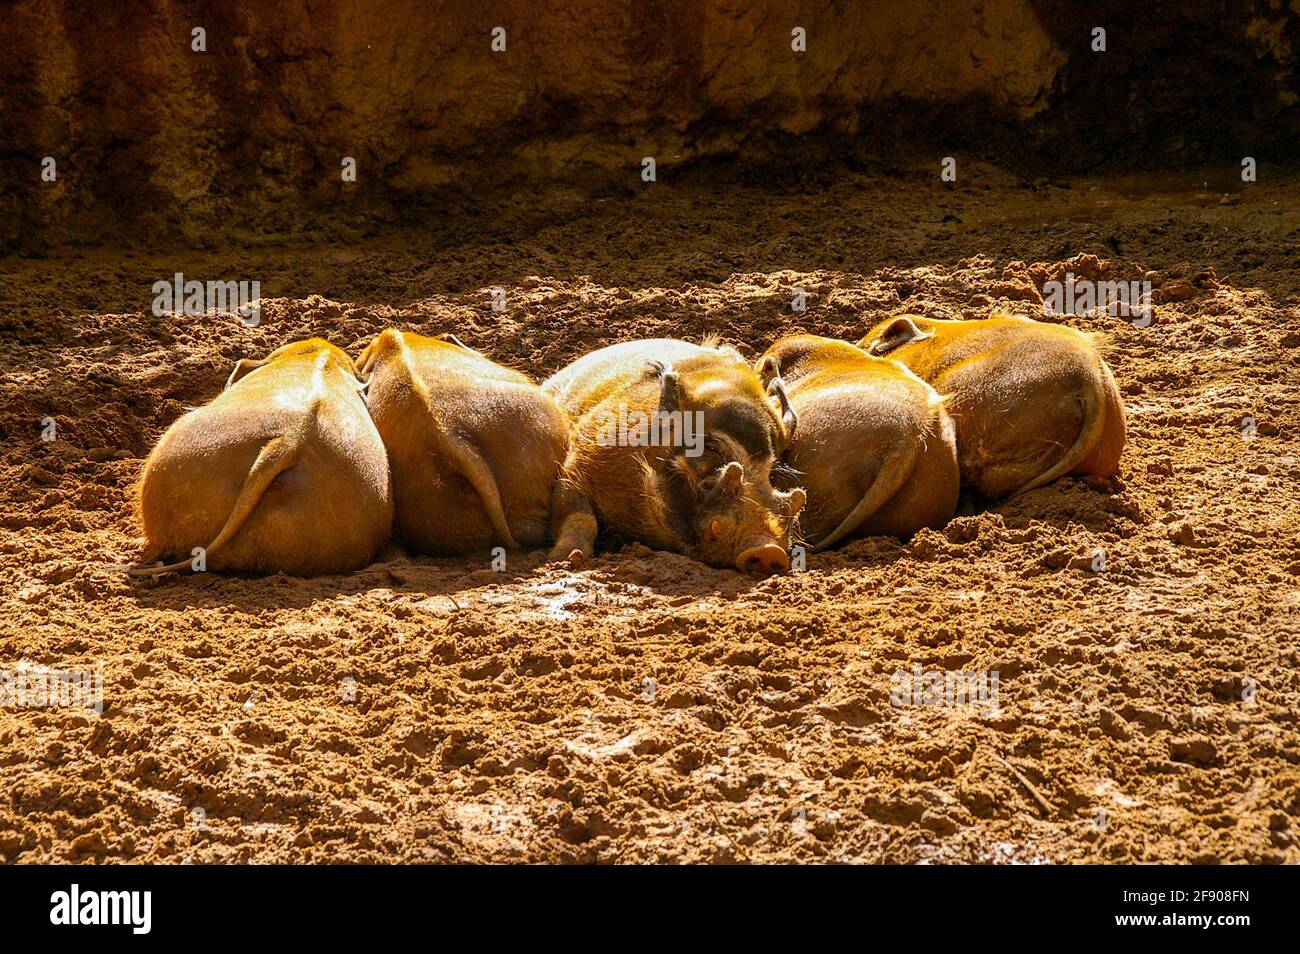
(645, 707)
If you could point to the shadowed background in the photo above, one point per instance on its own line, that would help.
(244, 141)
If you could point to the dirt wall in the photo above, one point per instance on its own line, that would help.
(244, 141)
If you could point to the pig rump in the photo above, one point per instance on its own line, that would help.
(283, 472)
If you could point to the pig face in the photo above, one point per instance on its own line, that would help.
(721, 498)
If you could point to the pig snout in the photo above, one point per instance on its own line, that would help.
(763, 559)
(764, 556)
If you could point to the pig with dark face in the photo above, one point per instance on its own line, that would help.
(674, 445)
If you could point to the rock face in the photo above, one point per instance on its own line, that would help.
(246, 139)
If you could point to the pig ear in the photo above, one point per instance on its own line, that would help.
(899, 332)
(727, 481)
(733, 476)
(776, 388)
(670, 388)
(242, 367)
(768, 368)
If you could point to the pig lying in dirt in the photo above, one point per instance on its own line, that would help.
(674, 445)
(875, 449)
(1033, 401)
(283, 472)
(475, 448)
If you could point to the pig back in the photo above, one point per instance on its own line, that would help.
(594, 378)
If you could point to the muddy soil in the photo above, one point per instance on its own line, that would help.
(645, 707)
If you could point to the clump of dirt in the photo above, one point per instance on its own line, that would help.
(1143, 630)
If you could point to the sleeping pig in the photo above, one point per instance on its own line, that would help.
(674, 445)
(475, 447)
(282, 472)
(1033, 401)
(875, 450)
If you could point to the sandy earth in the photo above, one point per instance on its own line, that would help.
(645, 707)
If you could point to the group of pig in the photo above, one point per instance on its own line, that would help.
(309, 463)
